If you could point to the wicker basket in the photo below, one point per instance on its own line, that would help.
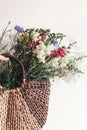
(26, 107)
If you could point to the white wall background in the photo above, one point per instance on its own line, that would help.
(68, 101)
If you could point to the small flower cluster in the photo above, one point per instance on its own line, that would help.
(41, 42)
(59, 52)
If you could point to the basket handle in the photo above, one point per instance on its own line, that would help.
(17, 60)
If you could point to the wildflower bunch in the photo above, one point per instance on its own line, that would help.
(42, 55)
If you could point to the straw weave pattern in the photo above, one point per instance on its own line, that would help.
(26, 107)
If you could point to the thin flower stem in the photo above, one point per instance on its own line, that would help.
(4, 31)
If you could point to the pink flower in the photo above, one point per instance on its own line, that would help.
(43, 36)
(32, 43)
(58, 53)
(38, 42)
(54, 53)
(61, 52)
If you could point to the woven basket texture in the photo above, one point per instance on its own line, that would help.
(26, 107)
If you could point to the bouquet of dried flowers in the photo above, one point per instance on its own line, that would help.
(41, 53)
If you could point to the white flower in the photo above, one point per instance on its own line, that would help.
(34, 35)
(41, 56)
(55, 63)
(42, 46)
(48, 49)
(42, 60)
(59, 62)
(63, 62)
(40, 51)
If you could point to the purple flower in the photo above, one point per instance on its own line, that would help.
(19, 29)
(54, 41)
